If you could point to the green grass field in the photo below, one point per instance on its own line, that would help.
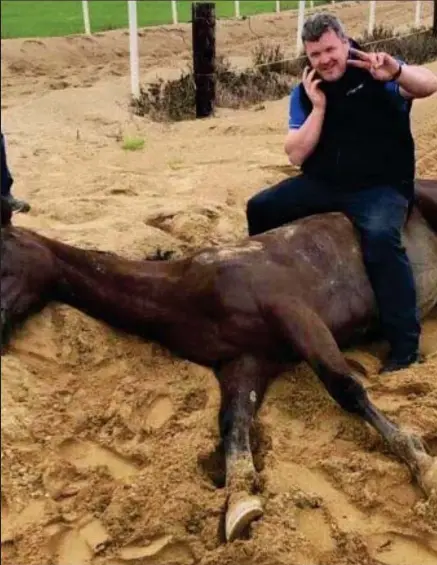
(40, 18)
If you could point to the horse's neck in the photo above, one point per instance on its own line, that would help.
(119, 291)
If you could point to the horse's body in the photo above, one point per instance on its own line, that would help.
(297, 292)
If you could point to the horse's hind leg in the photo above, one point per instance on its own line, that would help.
(243, 383)
(312, 339)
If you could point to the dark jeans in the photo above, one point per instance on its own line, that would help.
(6, 177)
(379, 213)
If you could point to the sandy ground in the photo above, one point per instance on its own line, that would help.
(108, 442)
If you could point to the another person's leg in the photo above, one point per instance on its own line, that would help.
(6, 177)
(7, 181)
(286, 201)
(379, 214)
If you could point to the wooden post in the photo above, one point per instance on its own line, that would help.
(203, 18)
(434, 25)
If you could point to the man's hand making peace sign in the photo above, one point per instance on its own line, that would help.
(381, 66)
(414, 81)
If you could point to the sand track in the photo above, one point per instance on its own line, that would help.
(108, 443)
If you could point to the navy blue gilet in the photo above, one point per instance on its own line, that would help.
(366, 137)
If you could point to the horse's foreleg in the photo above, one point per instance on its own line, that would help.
(312, 339)
(243, 383)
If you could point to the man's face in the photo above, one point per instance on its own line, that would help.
(328, 55)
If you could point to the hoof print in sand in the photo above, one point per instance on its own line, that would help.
(86, 455)
(79, 545)
(158, 413)
(159, 552)
(393, 548)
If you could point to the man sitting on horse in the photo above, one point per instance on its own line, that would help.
(349, 131)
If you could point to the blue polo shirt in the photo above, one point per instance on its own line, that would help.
(297, 114)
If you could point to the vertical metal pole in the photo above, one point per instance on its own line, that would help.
(133, 48)
(86, 17)
(174, 11)
(372, 9)
(417, 15)
(300, 20)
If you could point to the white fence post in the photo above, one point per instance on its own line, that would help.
(86, 17)
(278, 6)
(174, 11)
(133, 48)
(372, 9)
(311, 3)
(300, 20)
(237, 8)
(417, 16)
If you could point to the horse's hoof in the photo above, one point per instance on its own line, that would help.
(240, 514)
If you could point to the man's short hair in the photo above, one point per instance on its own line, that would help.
(319, 23)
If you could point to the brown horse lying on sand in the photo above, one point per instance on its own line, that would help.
(245, 310)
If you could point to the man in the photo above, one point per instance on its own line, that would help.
(349, 131)
(7, 182)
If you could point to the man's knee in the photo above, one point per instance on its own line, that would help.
(259, 212)
(257, 203)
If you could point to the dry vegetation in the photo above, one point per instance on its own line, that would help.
(270, 78)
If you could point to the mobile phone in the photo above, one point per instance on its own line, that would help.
(316, 74)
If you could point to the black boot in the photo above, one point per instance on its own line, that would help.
(18, 205)
(397, 362)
